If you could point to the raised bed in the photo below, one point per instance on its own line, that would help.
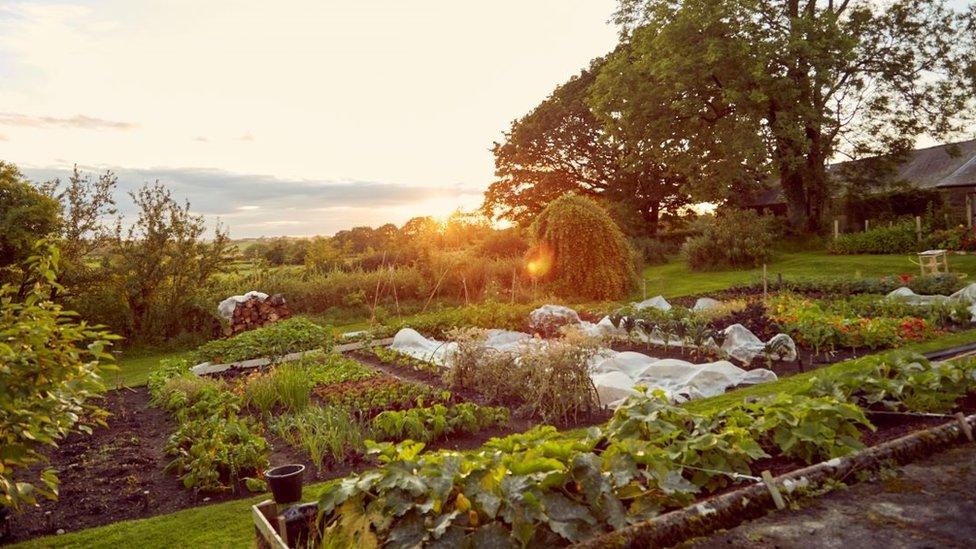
(273, 528)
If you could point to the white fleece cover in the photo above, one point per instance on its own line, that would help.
(966, 295)
(614, 374)
(657, 302)
(227, 306)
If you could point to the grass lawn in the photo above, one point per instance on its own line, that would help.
(229, 524)
(674, 279)
(135, 366)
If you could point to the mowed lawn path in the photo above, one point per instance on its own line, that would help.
(675, 279)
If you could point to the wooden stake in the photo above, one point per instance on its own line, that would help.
(836, 228)
(514, 275)
(395, 298)
(966, 428)
(765, 283)
(773, 490)
(464, 283)
(867, 225)
(436, 287)
(918, 227)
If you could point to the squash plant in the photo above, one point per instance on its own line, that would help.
(49, 372)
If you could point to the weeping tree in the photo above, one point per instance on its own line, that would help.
(735, 92)
(580, 251)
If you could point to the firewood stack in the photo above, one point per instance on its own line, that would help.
(256, 312)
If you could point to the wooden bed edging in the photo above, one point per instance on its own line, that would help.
(733, 508)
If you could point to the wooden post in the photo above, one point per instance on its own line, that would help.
(918, 227)
(836, 228)
(644, 285)
(969, 211)
(765, 283)
(867, 225)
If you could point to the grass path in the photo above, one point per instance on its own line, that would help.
(674, 279)
(229, 524)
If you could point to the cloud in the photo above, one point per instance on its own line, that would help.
(256, 205)
(201, 139)
(79, 121)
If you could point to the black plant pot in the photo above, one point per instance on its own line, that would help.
(285, 482)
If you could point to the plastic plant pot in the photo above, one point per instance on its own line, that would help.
(285, 482)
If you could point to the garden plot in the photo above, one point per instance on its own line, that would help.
(614, 374)
(192, 439)
(650, 458)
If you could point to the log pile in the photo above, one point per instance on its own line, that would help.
(256, 312)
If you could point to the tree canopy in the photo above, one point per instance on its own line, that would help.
(735, 92)
(26, 215)
(562, 147)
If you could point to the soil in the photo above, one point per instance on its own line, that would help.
(114, 474)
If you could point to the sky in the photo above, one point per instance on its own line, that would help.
(286, 117)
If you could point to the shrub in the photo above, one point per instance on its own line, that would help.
(899, 238)
(278, 339)
(580, 251)
(731, 238)
(49, 372)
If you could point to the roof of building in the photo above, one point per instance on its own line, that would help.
(941, 167)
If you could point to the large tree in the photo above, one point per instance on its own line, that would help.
(737, 91)
(562, 147)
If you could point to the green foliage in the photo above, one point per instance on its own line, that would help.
(581, 251)
(332, 368)
(368, 400)
(288, 385)
(26, 215)
(322, 432)
(212, 448)
(490, 314)
(49, 372)
(731, 238)
(276, 340)
(540, 488)
(895, 239)
(212, 452)
(431, 423)
(393, 358)
(903, 382)
(809, 323)
(805, 428)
